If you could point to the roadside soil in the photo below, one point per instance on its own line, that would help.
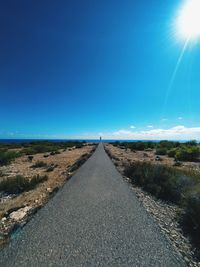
(126, 155)
(165, 214)
(15, 210)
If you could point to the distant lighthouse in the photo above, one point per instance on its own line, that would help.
(100, 138)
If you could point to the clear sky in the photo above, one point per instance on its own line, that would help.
(80, 69)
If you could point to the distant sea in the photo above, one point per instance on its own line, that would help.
(62, 140)
(80, 140)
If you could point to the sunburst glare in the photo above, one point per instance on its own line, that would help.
(188, 21)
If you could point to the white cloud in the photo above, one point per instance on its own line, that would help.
(150, 126)
(180, 118)
(132, 127)
(121, 133)
(178, 132)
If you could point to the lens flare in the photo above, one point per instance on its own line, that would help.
(188, 22)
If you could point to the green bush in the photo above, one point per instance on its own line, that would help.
(7, 157)
(39, 164)
(162, 181)
(51, 168)
(161, 151)
(14, 185)
(168, 144)
(191, 143)
(171, 153)
(193, 207)
(139, 145)
(20, 184)
(53, 153)
(188, 153)
(178, 186)
(79, 145)
(191, 217)
(36, 180)
(185, 152)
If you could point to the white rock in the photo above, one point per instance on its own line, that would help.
(49, 189)
(3, 219)
(19, 214)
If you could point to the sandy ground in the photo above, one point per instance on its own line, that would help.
(125, 156)
(38, 196)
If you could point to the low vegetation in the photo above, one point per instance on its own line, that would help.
(191, 218)
(34, 147)
(188, 151)
(162, 181)
(39, 164)
(80, 161)
(170, 184)
(139, 145)
(6, 157)
(51, 167)
(7, 153)
(19, 184)
(53, 153)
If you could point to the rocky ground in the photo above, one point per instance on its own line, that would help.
(165, 214)
(16, 210)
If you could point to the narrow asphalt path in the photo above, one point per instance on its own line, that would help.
(94, 220)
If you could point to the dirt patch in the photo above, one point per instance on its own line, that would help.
(15, 210)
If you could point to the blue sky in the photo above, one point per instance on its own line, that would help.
(80, 69)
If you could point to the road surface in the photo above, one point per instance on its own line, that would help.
(94, 220)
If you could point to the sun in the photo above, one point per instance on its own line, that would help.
(188, 21)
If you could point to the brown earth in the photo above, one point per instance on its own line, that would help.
(17, 208)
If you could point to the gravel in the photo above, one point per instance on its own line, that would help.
(94, 220)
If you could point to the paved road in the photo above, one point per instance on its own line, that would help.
(94, 220)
